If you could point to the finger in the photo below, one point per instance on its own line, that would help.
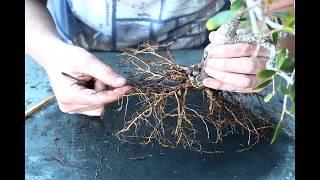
(211, 36)
(239, 80)
(77, 109)
(218, 85)
(81, 95)
(99, 86)
(92, 97)
(242, 31)
(93, 112)
(104, 73)
(235, 50)
(244, 65)
(208, 48)
(281, 6)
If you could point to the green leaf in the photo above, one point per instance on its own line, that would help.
(219, 19)
(292, 93)
(277, 132)
(290, 21)
(236, 5)
(283, 89)
(282, 53)
(263, 84)
(245, 25)
(292, 108)
(280, 14)
(268, 97)
(275, 37)
(269, 1)
(279, 62)
(288, 29)
(264, 74)
(287, 65)
(280, 58)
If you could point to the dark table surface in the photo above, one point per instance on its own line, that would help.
(63, 146)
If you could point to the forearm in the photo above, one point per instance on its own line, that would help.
(41, 35)
(279, 6)
(288, 43)
(284, 6)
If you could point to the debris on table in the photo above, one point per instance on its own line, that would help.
(137, 158)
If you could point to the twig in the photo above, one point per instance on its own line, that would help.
(140, 157)
(38, 106)
(51, 158)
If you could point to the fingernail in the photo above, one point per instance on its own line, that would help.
(123, 90)
(130, 90)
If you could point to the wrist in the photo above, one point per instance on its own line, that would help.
(43, 48)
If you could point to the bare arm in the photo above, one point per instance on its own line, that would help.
(280, 6)
(283, 6)
(40, 31)
(45, 46)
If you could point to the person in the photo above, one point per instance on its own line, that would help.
(61, 36)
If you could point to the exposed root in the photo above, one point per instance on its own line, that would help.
(170, 112)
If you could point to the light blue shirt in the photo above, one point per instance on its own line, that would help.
(114, 24)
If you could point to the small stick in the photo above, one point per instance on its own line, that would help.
(54, 158)
(79, 81)
(38, 106)
(140, 157)
(100, 160)
(87, 84)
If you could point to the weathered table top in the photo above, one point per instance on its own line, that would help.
(64, 146)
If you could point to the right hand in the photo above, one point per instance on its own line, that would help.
(77, 62)
(231, 66)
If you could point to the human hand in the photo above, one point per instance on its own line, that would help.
(231, 67)
(79, 63)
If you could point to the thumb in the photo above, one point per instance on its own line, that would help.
(211, 35)
(216, 37)
(104, 73)
(242, 31)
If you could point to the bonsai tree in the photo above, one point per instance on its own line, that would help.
(165, 112)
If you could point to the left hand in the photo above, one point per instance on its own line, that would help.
(231, 67)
